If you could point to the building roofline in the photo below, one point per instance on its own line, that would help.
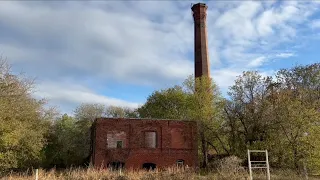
(149, 119)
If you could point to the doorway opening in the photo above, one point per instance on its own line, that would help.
(149, 166)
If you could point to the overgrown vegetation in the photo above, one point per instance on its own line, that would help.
(279, 113)
(170, 173)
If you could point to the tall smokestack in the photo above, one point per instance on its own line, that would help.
(201, 56)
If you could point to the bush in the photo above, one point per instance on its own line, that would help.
(229, 168)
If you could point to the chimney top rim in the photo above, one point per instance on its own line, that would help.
(203, 5)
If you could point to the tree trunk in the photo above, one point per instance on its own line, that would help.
(295, 160)
(204, 149)
(305, 170)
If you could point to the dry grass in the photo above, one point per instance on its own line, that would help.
(225, 169)
(168, 174)
(91, 174)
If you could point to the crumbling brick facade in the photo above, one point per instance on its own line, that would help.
(138, 143)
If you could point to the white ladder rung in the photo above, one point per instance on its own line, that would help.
(259, 167)
(262, 151)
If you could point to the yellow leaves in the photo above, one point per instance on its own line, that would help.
(12, 136)
(22, 128)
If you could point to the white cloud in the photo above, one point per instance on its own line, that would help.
(236, 23)
(225, 77)
(257, 62)
(251, 29)
(16, 53)
(138, 44)
(315, 24)
(68, 93)
(141, 43)
(114, 45)
(284, 55)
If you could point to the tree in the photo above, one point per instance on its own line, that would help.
(281, 115)
(85, 114)
(61, 150)
(121, 112)
(298, 128)
(297, 111)
(89, 112)
(24, 121)
(168, 103)
(247, 112)
(304, 81)
(201, 103)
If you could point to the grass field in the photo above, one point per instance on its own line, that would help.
(168, 174)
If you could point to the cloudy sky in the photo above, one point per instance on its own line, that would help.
(119, 52)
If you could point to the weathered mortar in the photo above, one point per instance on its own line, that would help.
(176, 140)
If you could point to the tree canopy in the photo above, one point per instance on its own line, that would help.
(279, 113)
(23, 121)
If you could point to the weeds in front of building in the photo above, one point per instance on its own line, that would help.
(225, 169)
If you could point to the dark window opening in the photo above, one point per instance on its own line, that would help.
(119, 144)
(116, 165)
(149, 166)
(116, 139)
(180, 163)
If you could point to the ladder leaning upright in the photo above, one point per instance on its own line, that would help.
(258, 164)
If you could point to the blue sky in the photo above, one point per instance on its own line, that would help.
(119, 52)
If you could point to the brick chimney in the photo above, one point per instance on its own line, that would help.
(201, 56)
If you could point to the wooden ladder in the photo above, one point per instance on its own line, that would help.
(258, 164)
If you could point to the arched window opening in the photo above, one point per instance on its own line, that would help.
(149, 166)
(180, 162)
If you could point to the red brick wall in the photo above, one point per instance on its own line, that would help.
(175, 140)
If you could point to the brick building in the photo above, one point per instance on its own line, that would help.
(143, 143)
(137, 143)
